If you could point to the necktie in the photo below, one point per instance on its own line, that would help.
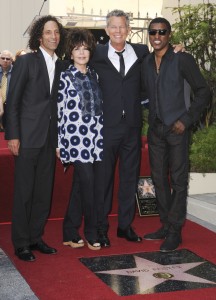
(122, 64)
(4, 86)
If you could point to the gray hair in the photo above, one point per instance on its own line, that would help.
(7, 52)
(118, 13)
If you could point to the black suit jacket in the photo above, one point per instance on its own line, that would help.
(120, 93)
(31, 108)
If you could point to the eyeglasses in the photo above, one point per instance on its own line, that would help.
(159, 31)
(5, 58)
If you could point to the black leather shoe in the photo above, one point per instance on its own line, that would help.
(171, 243)
(24, 253)
(43, 248)
(103, 239)
(160, 234)
(128, 234)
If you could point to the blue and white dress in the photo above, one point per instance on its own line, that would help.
(80, 119)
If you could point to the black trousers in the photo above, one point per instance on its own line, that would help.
(168, 153)
(122, 143)
(86, 199)
(34, 173)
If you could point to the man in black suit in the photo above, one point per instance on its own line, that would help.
(120, 84)
(165, 77)
(31, 132)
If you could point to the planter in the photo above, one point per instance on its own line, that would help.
(202, 183)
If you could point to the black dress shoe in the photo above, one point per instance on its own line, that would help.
(43, 248)
(128, 234)
(103, 239)
(160, 234)
(171, 243)
(24, 253)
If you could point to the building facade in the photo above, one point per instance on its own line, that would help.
(17, 15)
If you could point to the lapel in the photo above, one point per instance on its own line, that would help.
(43, 67)
(105, 57)
(139, 53)
(56, 76)
(137, 49)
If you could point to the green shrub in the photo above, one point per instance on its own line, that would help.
(203, 150)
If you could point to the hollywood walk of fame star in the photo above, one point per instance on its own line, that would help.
(146, 189)
(151, 274)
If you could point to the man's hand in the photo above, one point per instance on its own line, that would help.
(178, 127)
(179, 48)
(14, 145)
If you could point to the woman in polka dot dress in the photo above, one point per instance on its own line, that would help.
(80, 125)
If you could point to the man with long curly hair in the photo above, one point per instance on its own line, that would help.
(32, 134)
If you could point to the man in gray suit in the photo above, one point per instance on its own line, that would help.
(31, 132)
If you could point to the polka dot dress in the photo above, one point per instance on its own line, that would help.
(79, 136)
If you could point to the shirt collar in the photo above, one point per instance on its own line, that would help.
(112, 50)
(8, 71)
(47, 56)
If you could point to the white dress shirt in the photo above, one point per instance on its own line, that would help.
(129, 57)
(50, 62)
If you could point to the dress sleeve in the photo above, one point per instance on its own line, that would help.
(62, 99)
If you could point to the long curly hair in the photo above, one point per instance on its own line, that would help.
(36, 33)
(77, 37)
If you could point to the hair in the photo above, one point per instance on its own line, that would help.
(7, 52)
(78, 37)
(36, 33)
(161, 20)
(19, 53)
(118, 13)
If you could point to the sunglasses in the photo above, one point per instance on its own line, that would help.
(5, 58)
(159, 31)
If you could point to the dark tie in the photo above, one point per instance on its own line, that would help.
(122, 64)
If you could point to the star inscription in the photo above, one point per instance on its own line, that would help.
(151, 274)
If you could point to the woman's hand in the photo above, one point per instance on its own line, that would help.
(179, 48)
(58, 153)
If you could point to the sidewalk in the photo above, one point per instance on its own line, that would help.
(202, 210)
